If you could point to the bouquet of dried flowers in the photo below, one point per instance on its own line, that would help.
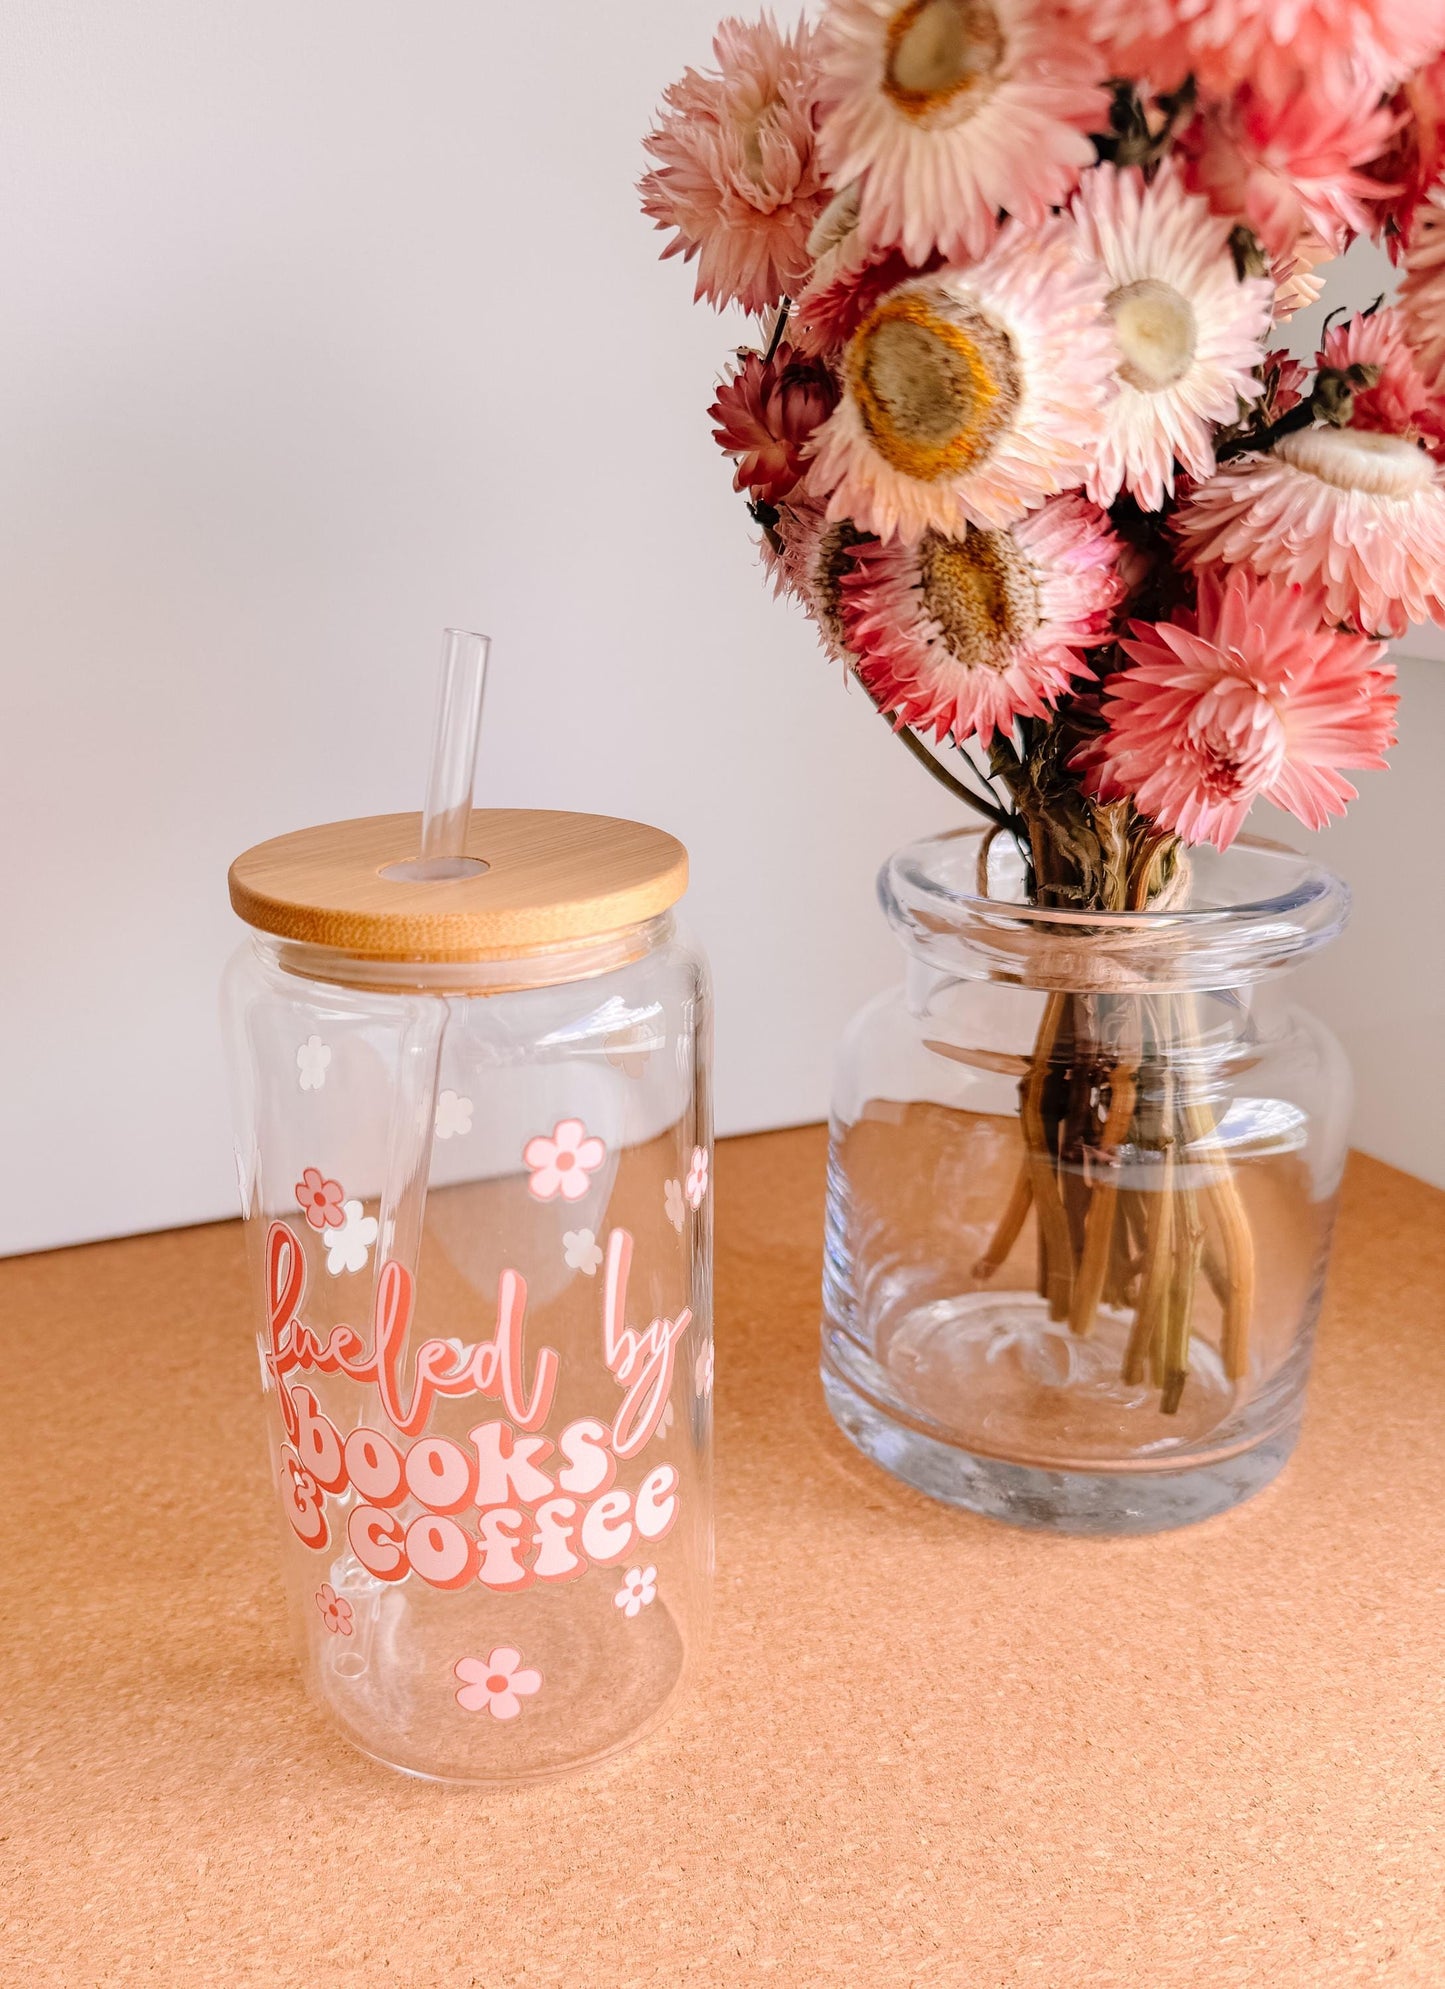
(1018, 434)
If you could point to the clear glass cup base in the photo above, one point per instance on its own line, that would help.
(1017, 1405)
(614, 1681)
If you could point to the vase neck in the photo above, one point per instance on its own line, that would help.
(1250, 912)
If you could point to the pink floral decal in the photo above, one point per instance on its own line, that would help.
(695, 1186)
(496, 1685)
(639, 1587)
(320, 1200)
(702, 1372)
(674, 1205)
(335, 1610)
(563, 1165)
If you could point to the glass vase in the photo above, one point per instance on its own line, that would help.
(1082, 1179)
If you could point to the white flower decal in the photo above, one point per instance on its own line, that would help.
(639, 1587)
(311, 1061)
(675, 1206)
(695, 1187)
(347, 1246)
(454, 1116)
(564, 1164)
(582, 1251)
(703, 1370)
(496, 1684)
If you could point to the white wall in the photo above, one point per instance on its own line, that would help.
(326, 325)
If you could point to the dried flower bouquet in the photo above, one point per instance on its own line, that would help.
(1020, 437)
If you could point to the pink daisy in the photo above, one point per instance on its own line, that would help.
(320, 1199)
(949, 110)
(766, 414)
(971, 395)
(1399, 403)
(1357, 514)
(811, 559)
(336, 1611)
(1188, 330)
(564, 1164)
(496, 1684)
(1280, 46)
(1252, 695)
(1422, 294)
(736, 179)
(1290, 167)
(965, 635)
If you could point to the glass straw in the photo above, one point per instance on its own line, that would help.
(443, 855)
(454, 754)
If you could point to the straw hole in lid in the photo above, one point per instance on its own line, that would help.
(433, 869)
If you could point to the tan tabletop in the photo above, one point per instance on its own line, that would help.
(926, 1749)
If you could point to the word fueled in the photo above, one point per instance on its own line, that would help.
(531, 1523)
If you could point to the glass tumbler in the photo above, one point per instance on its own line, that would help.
(473, 1135)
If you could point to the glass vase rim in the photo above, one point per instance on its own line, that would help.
(1261, 931)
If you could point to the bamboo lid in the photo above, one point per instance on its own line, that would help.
(546, 879)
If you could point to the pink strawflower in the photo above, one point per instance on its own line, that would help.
(950, 110)
(963, 636)
(810, 561)
(766, 414)
(1422, 294)
(1400, 403)
(1284, 384)
(1252, 695)
(1279, 46)
(1358, 515)
(1297, 277)
(1415, 158)
(1188, 330)
(736, 179)
(1292, 166)
(827, 314)
(971, 395)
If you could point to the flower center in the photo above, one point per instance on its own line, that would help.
(496, 1682)
(933, 392)
(564, 1161)
(1156, 331)
(825, 582)
(1358, 459)
(939, 50)
(980, 590)
(1239, 738)
(836, 222)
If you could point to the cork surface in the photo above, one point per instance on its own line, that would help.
(924, 1749)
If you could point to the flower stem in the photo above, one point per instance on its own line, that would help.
(941, 774)
(780, 325)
